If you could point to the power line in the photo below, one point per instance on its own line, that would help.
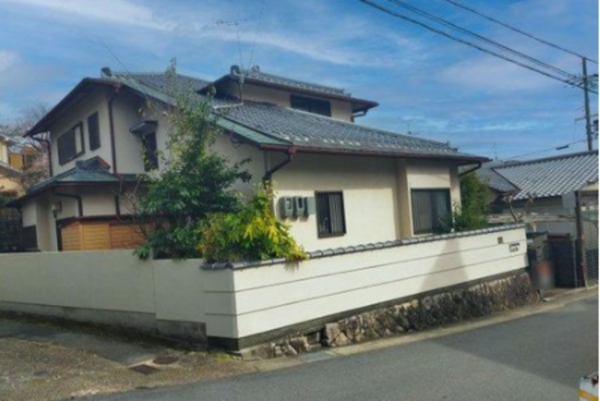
(520, 31)
(471, 44)
(556, 148)
(468, 32)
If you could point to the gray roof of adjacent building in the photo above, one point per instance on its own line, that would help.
(544, 178)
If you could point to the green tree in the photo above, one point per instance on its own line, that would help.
(194, 182)
(474, 209)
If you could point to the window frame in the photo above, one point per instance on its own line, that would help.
(99, 141)
(62, 160)
(330, 234)
(430, 190)
(310, 104)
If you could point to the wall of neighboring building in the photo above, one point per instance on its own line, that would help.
(95, 101)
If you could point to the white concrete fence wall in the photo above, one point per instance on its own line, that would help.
(181, 298)
(273, 297)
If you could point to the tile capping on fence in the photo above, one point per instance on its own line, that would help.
(363, 248)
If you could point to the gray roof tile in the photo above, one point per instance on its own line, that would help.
(306, 130)
(552, 176)
(309, 130)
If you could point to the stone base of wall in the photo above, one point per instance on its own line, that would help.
(421, 313)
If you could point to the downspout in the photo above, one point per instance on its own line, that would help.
(291, 151)
(113, 151)
(477, 167)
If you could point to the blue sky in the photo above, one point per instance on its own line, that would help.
(425, 83)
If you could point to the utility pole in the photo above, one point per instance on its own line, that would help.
(586, 97)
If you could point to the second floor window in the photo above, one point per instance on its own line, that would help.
(150, 151)
(70, 144)
(317, 106)
(94, 131)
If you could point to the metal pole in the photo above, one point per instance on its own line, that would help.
(580, 241)
(586, 98)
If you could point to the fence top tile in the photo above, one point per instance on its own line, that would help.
(324, 253)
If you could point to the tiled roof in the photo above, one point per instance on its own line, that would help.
(271, 124)
(90, 171)
(161, 82)
(493, 179)
(256, 74)
(552, 176)
(307, 130)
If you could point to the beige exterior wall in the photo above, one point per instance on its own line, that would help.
(95, 101)
(376, 193)
(3, 152)
(272, 297)
(339, 110)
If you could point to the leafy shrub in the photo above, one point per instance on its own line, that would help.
(473, 211)
(252, 233)
(194, 182)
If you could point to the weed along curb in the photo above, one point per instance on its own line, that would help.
(427, 311)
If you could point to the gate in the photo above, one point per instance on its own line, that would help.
(588, 216)
(10, 230)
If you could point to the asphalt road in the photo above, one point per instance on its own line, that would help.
(540, 357)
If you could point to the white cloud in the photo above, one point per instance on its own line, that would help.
(490, 74)
(111, 11)
(8, 59)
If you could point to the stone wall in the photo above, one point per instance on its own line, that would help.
(425, 312)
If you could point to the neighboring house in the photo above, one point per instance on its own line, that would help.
(537, 187)
(10, 168)
(360, 185)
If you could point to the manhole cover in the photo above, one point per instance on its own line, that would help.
(165, 359)
(144, 369)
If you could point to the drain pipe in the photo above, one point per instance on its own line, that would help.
(113, 150)
(291, 151)
(477, 167)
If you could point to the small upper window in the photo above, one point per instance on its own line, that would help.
(429, 208)
(331, 221)
(94, 131)
(70, 144)
(150, 151)
(317, 106)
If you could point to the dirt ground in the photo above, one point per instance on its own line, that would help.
(55, 361)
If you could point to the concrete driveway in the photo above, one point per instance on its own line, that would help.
(53, 361)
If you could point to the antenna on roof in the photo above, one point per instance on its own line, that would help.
(106, 72)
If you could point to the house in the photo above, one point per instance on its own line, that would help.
(10, 168)
(538, 187)
(338, 183)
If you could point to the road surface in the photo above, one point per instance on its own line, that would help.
(540, 357)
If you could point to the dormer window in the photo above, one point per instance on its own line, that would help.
(311, 105)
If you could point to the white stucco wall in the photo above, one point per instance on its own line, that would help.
(339, 109)
(237, 303)
(95, 101)
(272, 297)
(369, 191)
(103, 281)
(376, 194)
